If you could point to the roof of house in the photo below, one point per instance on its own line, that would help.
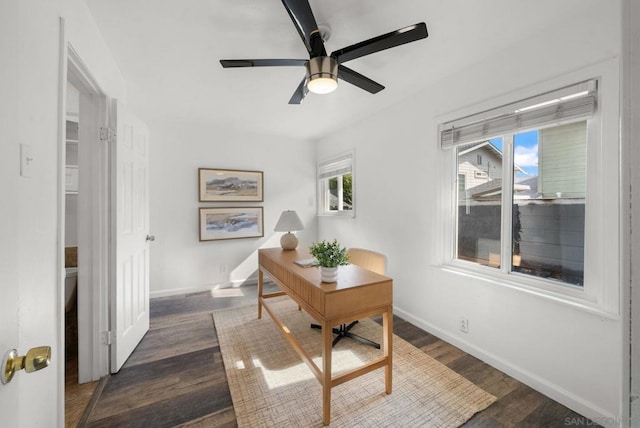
(493, 148)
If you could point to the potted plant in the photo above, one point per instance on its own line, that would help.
(330, 255)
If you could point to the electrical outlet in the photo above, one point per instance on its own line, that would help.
(464, 325)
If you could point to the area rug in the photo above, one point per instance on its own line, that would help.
(272, 387)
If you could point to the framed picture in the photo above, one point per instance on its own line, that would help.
(231, 223)
(229, 185)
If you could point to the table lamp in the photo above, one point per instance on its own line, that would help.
(288, 221)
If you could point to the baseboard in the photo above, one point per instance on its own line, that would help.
(191, 290)
(566, 398)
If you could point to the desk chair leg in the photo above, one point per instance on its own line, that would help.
(344, 331)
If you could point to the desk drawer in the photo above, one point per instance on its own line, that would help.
(346, 302)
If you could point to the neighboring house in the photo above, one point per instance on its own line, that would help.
(480, 172)
(561, 161)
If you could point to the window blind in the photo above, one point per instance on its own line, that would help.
(573, 102)
(335, 167)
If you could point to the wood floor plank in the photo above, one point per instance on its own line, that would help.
(170, 378)
(550, 412)
(226, 418)
(482, 420)
(443, 352)
(515, 406)
(194, 334)
(168, 412)
(485, 376)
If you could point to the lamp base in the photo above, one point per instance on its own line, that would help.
(289, 241)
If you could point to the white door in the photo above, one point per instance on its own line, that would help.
(130, 295)
(9, 274)
(9, 177)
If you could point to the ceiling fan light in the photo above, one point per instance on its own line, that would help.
(323, 75)
(322, 85)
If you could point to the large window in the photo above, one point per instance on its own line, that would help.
(335, 185)
(521, 175)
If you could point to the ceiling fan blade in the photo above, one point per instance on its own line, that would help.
(304, 21)
(233, 63)
(385, 41)
(300, 93)
(357, 79)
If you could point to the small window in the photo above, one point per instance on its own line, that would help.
(462, 183)
(479, 160)
(335, 186)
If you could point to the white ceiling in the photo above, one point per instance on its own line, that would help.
(168, 51)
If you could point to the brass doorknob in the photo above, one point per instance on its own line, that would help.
(36, 359)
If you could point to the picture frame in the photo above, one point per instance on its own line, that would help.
(221, 223)
(229, 185)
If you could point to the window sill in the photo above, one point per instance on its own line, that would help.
(572, 296)
(346, 214)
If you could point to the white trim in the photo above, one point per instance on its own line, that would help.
(506, 222)
(81, 77)
(60, 302)
(555, 392)
(192, 290)
(570, 296)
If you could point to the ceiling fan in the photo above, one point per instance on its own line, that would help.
(323, 71)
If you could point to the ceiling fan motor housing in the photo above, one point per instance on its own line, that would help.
(322, 74)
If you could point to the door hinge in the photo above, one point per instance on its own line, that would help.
(107, 134)
(106, 338)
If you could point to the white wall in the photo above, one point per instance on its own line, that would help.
(570, 354)
(31, 206)
(179, 262)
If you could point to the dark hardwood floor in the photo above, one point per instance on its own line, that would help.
(175, 377)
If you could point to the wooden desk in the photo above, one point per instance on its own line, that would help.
(358, 294)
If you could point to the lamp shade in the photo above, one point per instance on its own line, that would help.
(288, 221)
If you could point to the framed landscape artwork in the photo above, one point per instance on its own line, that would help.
(229, 185)
(231, 223)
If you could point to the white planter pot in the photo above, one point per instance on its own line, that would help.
(329, 274)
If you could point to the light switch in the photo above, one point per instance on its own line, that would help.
(26, 161)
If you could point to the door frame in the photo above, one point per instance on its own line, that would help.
(93, 303)
(94, 228)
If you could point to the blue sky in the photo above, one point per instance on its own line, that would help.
(525, 151)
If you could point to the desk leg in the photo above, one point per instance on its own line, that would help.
(387, 322)
(327, 345)
(260, 280)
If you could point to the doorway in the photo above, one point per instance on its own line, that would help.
(86, 230)
(77, 395)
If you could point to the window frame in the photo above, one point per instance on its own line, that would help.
(323, 184)
(601, 289)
